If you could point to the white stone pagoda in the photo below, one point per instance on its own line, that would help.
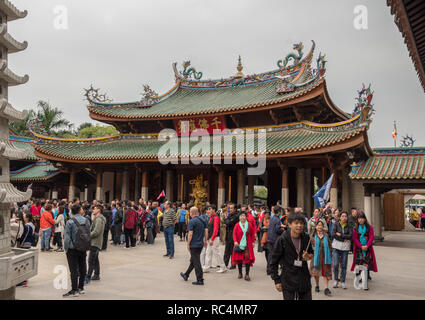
(16, 265)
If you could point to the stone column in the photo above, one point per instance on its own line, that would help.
(307, 193)
(145, 185)
(54, 194)
(334, 189)
(169, 185)
(346, 190)
(221, 189)
(86, 193)
(300, 187)
(99, 191)
(125, 185)
(71, 193)
(251, 181)
(137, 186)
(376, 223)
(368, 205)
(285, 189)
(241, 186)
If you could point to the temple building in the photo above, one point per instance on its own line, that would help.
(307, 139)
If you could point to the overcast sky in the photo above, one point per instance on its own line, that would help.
(119, 45)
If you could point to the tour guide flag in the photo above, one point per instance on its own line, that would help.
(322, 196)
(162, 194)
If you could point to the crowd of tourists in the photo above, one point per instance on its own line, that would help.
(298, 247)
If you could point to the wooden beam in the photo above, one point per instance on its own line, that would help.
(161, 124)
(235, 118)
(298, 113)
(274, 116)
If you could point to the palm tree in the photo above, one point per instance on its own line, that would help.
(52, 119)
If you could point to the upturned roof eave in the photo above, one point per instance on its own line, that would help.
(11, 11)
(9, 42)
(10, 77)
(340, 144)
(402, 21)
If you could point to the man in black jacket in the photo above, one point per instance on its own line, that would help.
(107, 213)
(292, 250)
(274, 231)
(230, 222)
(118, 224)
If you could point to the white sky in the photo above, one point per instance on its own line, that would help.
(119, 45)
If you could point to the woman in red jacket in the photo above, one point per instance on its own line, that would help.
(243, 250)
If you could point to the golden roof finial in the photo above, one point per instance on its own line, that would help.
(239, 68)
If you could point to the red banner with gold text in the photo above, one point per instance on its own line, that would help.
(199, 125)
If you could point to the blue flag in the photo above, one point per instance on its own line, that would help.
(322, 196)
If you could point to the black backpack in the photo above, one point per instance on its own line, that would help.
(82, 239)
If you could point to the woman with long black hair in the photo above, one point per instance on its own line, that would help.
(363, 254)
(26, 240)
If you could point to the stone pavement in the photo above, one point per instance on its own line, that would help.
(142, 273)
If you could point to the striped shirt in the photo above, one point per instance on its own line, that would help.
(169, 217)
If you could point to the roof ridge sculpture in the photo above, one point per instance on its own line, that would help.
(292, 76)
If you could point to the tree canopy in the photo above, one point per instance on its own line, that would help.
(56, 125)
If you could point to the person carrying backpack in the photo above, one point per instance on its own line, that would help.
(77, 242)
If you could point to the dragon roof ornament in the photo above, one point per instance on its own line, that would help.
(94, 95)
(36, 127)
(299, 73)
(363, 104)
(296, 58)
(149, 96)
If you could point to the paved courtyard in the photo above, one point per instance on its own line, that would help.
(142, 273)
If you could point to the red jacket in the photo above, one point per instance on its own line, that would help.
(130, 219)
(46, 220)
(239, 257)
(216, 226)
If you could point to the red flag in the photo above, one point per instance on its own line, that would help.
(162, 194)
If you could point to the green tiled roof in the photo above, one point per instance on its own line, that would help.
(392, 164)
(24, 143)
(279, 140)
(37, 171)
(190, 101)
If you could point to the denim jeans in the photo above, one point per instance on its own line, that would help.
(169, 240)
(45, 238)
(343, 255)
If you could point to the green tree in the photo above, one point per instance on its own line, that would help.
(52, 119)
(97, 131)
(83, 126)
(20, 127)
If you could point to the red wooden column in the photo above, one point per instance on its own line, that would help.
(145, 190)
(285, 188)
(99, 190)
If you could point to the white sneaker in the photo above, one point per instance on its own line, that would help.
(221, 270)
(205, 270)
(343, 286)
(335, 284)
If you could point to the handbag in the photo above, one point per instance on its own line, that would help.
(238, 249)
